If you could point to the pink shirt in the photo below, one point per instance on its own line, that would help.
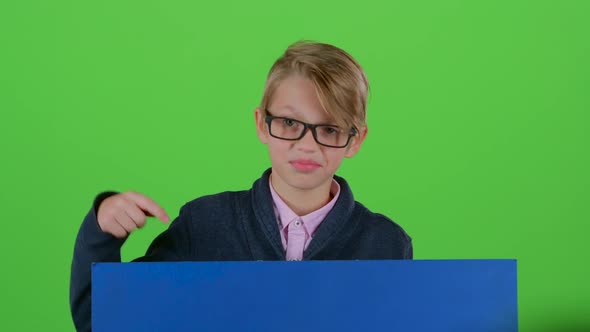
(297, 231)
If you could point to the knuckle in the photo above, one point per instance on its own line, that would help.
(112, 205)
(128, 226)
(120, 202)
(111, 230)
(139, 218)
(129, 195)
(120, 234)
(105, 219)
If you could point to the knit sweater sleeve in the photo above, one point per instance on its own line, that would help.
(93, 245)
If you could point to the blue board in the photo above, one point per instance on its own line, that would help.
(380, 295)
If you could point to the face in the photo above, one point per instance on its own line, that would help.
(303, 164)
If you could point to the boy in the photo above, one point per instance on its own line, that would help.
(312, 115)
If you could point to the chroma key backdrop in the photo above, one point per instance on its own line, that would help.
(478, 119)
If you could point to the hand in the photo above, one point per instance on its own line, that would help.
(122, 213)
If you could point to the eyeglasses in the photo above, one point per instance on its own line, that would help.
(293, 130)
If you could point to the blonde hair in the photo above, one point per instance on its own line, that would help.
(340, 82)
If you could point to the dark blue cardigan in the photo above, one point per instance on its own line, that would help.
(238, 226)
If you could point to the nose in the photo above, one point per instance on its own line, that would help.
(307, 142)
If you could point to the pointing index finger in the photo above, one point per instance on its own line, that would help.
(150, 206)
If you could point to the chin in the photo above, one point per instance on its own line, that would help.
(302, 180)
(307, 181)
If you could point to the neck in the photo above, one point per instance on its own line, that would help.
(302, 201)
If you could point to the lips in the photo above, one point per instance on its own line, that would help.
(305, 165)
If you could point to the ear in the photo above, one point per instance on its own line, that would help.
(357, 141)
(261, 126)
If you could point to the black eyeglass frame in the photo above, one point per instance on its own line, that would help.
(269, 117)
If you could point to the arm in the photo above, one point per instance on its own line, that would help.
(92, 245)
(95, 245)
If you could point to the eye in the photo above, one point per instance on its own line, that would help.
(331, 130)
(289, 122)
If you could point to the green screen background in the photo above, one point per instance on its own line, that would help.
(478, 140)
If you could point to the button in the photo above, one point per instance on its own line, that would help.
(298, 223)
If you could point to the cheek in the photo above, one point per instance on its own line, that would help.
(334, 157)
(277, 149)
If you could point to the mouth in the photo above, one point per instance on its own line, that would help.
(305, 165)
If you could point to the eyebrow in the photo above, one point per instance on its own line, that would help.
(294, 112)
(325, 123)
(289, 109)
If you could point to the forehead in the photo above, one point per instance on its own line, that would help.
(296, 97)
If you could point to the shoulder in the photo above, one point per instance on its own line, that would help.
(378, 223)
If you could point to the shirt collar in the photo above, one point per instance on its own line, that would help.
(312, 220)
